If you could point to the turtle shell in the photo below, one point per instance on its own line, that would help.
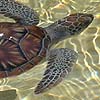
(21, 48)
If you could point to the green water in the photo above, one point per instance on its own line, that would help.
(83, 83)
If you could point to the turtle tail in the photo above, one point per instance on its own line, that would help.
(19, 12)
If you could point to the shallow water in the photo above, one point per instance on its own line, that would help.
(83, 83)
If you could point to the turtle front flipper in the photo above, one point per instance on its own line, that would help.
(19, 12)
(60, 63)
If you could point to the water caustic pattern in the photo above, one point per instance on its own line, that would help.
(84, 82)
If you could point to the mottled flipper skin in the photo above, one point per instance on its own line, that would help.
(19, 12)
(60, 63)
(24, 45)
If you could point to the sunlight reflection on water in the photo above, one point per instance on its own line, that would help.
(85, 76)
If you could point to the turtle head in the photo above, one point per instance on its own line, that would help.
(68, 26)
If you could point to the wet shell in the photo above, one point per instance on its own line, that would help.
(21, 48)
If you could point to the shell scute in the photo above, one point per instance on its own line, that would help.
(21, 48)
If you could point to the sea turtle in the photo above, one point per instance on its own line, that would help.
(23, 44)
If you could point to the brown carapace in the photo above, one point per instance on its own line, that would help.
(23, 44)
(21, 48)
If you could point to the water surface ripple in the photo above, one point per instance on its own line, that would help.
(84, 82)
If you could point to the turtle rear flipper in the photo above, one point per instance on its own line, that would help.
(60, 63)
(19, 12)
